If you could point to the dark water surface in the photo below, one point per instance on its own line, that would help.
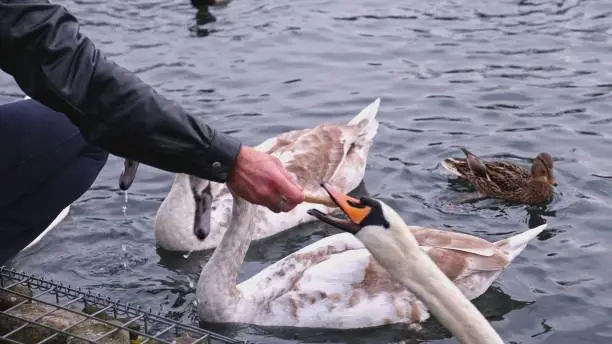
(506, 78)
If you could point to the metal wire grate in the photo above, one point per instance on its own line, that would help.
(36, 311)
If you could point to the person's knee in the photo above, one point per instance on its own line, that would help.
(96, 153)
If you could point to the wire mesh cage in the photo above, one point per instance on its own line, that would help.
(36, 311)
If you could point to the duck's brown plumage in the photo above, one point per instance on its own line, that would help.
(506, 180)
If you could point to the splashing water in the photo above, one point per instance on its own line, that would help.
(125, 201)
(124, 211)
(124, 259)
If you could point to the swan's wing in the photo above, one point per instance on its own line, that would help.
(276, 276)
(334, 153)
(457, 254)
(273, 144)
(316, 154)
(333, 282)
(431, 237)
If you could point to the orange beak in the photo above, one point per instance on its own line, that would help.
(352, 207)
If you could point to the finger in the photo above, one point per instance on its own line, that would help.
(274, 206)
(277, 201)
(282, 185)
(293, 194)
(270, 198)
(258, 195)
(287, 205)
(290, 176)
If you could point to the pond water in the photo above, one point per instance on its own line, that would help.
(507, 79)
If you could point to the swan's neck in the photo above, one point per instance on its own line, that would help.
(414, 269)
(216, 290)
(174, 218)
(450, 306)
(178, 196)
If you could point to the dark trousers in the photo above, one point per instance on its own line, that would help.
(45, 165)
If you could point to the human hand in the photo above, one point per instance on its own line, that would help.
(261, 179)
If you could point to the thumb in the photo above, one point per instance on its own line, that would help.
(290, 176)
(286, 185)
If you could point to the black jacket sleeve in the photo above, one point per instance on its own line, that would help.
(42, 48)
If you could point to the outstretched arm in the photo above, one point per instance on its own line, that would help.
(42, 48)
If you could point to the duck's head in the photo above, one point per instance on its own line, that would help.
(200, 190)
(542, 168)
(373, 222)
(128, 174)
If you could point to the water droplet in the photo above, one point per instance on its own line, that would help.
(186, 255)
(191, 284)
(124, 247)
(125, 201)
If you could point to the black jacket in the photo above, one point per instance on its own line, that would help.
(42, 48)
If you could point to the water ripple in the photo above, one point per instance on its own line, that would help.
(506, 79)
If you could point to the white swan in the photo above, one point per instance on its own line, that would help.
(336, 282)
(333, 152)
(391, 242)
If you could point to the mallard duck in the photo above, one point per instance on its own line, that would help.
(506, 180)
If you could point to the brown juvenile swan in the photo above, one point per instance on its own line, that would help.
(336, 282)
(395, 247)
